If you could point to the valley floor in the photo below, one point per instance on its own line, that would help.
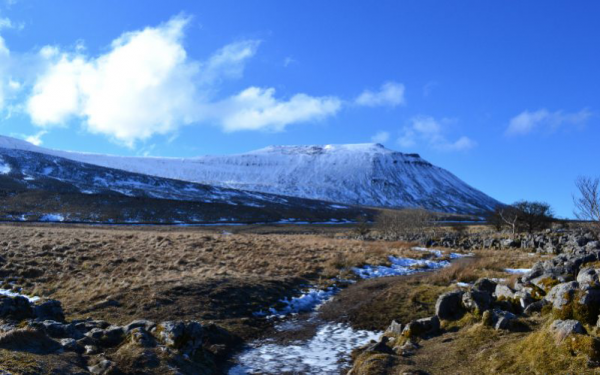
(225, 275)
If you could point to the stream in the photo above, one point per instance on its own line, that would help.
(303, 342)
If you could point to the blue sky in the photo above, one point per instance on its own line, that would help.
(504, 94)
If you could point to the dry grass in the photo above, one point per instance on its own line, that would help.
(485, 263)
(119, 274)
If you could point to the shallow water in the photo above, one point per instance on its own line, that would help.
(305, 344)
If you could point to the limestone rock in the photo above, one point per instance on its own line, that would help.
(449, 306)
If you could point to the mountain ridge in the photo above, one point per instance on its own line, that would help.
(355, 174)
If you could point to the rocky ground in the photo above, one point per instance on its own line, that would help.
(545, 321)
(155, 299)
(160, 300)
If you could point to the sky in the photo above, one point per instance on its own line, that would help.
(504, 94)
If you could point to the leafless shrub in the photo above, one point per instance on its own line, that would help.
(362, 227)
(587, 203)
(407, 224)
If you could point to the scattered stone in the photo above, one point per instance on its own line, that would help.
(502, 319)
(476, 301)
(449, 306)
(588, 278)
(140, 337)
(499, 319)
(535, 307)
(16, 308)
(146, 324)
(422, 327)
(504, 292)
(379, 346)
(395, 328)
(49, 310)
(485, 285)
(562, 294)
(102, 367)
(185, 337)
(563, 328)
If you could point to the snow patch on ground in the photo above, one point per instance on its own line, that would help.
(399, 267)
(4, 168)
(52, 217)
(328, 351)
(517, 270)
(306, 302)
(324, 353)
(10, 293)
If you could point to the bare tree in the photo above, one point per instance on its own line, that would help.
(510, 216)
(495, 219)
(406, 224)
(587, 204)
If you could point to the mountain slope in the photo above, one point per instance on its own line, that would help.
(36, 186)
(365, 174)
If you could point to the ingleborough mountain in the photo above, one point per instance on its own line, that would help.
(352, 174)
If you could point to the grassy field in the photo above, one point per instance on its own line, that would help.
(225, 274)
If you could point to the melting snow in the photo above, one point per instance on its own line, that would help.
(399, 267)
(328, 350)
(10, 293)
(52, 217)
(4, 168)
(517, 270)
(321, 354)
(306, 302)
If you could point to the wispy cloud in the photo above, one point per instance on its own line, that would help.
(380, 137)
(427, 131)
(429, 87)
(258, 109)
(527, 122)
(390, 94)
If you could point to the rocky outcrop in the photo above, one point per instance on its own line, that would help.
(565, 288)
(548, 242)
(41, 328)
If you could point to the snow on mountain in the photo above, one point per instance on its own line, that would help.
(365, 174)
(44, 187)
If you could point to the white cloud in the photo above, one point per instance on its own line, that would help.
(143, 86)
(36, 139)
(527, 122)
(391, 94)
(380, 137)
(430, 132)
(257, 109)
(146, 84)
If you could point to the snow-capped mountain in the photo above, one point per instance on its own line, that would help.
(35, 185)
(365, 174)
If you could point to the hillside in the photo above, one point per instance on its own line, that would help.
(360, 174)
